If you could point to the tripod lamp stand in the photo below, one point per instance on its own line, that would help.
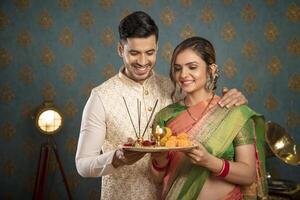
(49, 121)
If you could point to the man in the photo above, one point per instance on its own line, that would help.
(106, 123)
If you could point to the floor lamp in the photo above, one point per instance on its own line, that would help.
(49, 121)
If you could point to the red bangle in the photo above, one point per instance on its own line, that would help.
(158, 168)
(225, 169)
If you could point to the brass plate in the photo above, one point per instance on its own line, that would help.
(156, 149)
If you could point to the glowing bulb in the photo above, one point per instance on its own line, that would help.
(49, 120)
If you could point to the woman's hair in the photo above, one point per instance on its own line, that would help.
(202, 47)
(137, 25)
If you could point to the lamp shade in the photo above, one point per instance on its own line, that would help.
(48, 119)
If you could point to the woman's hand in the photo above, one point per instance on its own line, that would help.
(199, 155)
(158, 165)
(242, 171)
(232, 97)
(160, 158)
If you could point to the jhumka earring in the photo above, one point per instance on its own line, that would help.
(210, 84)
(212, 80)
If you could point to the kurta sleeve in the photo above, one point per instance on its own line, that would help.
(89, 160)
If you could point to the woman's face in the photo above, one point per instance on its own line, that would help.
(190, 71)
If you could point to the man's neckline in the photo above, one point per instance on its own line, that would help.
(123, 76)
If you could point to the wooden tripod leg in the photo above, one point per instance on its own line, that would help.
(42, 172)
(62, 172)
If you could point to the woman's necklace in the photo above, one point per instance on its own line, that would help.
(190, 114)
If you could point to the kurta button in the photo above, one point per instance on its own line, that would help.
(149, 108)
(146, 92)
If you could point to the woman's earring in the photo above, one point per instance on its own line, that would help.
(211, 83)
(210, 80)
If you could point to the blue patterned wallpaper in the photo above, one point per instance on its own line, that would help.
(58, 50)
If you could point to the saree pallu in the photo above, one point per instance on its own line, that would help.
(216, 131)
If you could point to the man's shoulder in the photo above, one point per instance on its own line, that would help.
(108, 84)
(164, 82)
(162, 78)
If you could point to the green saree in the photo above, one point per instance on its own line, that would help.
(216, 130)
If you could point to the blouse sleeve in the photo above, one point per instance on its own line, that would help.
(246, 134)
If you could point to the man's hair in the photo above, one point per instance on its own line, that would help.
(137, 25)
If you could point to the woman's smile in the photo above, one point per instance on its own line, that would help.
(187, 82)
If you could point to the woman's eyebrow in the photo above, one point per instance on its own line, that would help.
(192, 62)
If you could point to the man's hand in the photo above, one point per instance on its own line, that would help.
(232, 97)
(123, 157)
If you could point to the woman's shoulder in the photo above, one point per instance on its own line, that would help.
(244, 111)
(172, 106)
(168, 113)
(170, 110)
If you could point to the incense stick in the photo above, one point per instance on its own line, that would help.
(139, 115)
(150, 118)
(130, 117)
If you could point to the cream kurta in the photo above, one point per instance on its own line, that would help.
(106, 124)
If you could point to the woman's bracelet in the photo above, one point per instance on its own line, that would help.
(163, 168)
(225, 169)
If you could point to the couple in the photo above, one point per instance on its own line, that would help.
(105, 123)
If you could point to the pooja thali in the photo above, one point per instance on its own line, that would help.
(163, 141)
(156, 149)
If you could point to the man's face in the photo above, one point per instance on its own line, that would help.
(139, 57)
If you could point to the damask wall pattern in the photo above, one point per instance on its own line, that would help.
(58, 50)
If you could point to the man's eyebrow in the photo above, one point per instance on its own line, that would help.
(151, 50)
(134, 50)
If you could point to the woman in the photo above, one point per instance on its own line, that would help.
(228, 161)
